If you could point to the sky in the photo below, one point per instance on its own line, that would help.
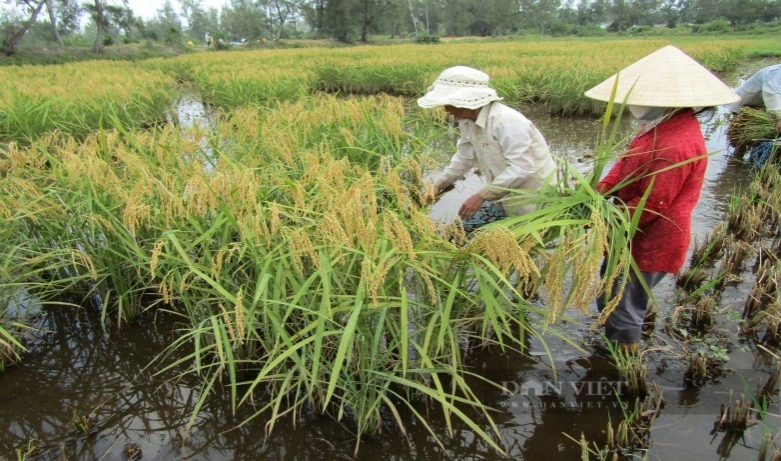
(148, 9)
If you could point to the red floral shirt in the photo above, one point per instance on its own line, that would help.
(662, 238)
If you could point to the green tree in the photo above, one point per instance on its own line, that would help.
(539, 14)
(338, 20)
(394, 18)
(459, 16)
(628, 13)
(28, 10)
(199, 19)
(278, 13)
(168, 15)
(313, 12)
(502, 16)
(243, 19)
(104, 15)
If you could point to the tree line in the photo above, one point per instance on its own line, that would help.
(176, 22)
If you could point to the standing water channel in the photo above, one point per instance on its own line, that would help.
(76, 371)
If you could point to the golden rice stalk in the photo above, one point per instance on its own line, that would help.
(299, 241)
(240, 321)
(398, 234)
(223, 256)
(14, 158)
(154, 260)
(377, 278)
(226, 318)
(499, 245)
(198, 196)
(591, 247)
(332, 231)
(166, 287)
(137, 209)
(556, 274)
(80, 258)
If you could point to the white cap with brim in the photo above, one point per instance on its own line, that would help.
(459, 86)
(666, 78)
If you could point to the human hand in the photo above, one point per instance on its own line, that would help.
(470, 207)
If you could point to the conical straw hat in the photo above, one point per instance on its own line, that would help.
(666, 78)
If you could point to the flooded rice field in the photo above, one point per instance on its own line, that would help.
(85, 394)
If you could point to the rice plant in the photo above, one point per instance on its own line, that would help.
(292, 244)
(582, 232)
(84, 425)
(695, 318)
(691, 279)
(79, 98)
(629, 439)
(768, 444)
(770, 388)
(31, 450)
(744, 218)
(300, 262)
(735, 415)
(732, 265)
(552, 73)
(763, 292)
(711, 247)
(705, 359)
(631, 368)
(750, 126)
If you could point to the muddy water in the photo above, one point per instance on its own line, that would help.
(79, 370)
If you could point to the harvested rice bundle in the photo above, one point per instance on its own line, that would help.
(750, 126)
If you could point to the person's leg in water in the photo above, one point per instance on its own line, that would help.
(625, 324)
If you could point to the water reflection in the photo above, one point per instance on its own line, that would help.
(191, 112)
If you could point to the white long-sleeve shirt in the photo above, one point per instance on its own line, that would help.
(762, 89)
(510, 150)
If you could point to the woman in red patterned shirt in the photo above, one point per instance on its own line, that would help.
(668, 156)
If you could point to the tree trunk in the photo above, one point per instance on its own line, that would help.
(365, 26)
(282, 18)
(414, 21)
(428, 29)
(11, 45)
(320, 16)
(53, 19)
(98, 46)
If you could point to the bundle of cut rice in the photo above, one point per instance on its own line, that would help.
(749, 127)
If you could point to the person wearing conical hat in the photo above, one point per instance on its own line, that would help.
(509, 149)
(662, 91)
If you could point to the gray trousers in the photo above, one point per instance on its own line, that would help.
(625, 323)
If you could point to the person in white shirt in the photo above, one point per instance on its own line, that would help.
(509, 149)
(762, 89)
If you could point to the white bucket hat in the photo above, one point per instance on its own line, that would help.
(666, 78)
(459, 86)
